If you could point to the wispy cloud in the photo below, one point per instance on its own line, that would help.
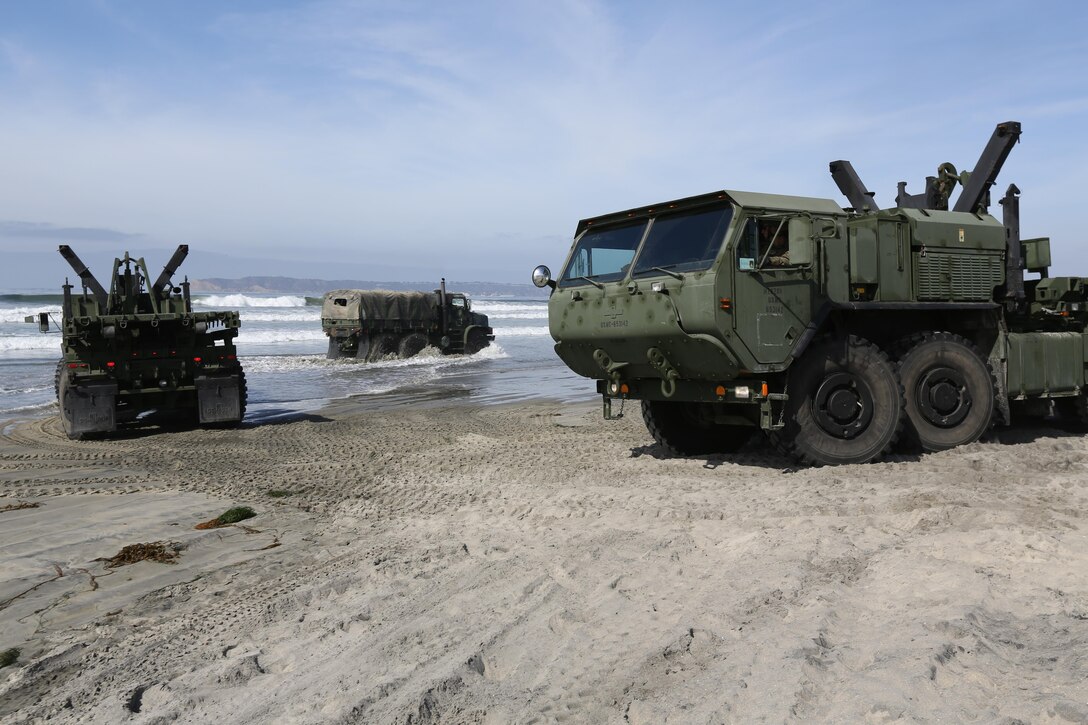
(477, 133)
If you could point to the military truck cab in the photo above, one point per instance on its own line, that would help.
(835, 330)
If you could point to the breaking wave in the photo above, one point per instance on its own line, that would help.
(521, 331)
(266, 337)
(237, 301)
(19, 314)
(28, 342)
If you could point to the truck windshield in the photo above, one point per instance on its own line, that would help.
(684, 242)
(603, 255)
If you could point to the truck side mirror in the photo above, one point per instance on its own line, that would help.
(542, 277)
(43, 321)
(800, 236)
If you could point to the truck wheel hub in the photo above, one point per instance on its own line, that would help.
(843, 405)
(943, 397)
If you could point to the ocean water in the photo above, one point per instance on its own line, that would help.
(282, 349)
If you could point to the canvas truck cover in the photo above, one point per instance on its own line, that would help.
(373, 305)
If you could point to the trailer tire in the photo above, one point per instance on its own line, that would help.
(950, 391)
(411, 344)
(62, 383)
(676, 429)
(362, 347)
(845, 404)
(381, 345)
(475, 342)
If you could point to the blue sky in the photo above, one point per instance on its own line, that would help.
(408, 140)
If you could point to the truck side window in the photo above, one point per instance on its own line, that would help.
(774, 245)
(764, 243)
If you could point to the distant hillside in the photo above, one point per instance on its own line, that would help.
(319, 286)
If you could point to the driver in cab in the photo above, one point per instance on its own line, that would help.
(774, 246)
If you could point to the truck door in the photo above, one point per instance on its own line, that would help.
(773, 296)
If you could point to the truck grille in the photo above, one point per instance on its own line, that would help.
(958, 277)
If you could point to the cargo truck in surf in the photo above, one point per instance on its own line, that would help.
(374, 324)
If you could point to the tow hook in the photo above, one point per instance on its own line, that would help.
(669, 374)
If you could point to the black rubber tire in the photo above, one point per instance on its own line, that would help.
(334, 349)
(676, 429)
(62, 390)
(476, 341)
(845, 404)
(381, 345)
(950, 391)
(411, 344)
(362, 347)
(243, 395)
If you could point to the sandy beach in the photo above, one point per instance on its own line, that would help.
(533, 563)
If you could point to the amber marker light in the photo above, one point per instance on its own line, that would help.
(763, 390)
(720, 391)
(726, 303)
(625, 389)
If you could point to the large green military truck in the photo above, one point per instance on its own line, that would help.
(140, 348)
(374, 324)
(837, 331)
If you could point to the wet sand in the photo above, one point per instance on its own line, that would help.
(534, 563)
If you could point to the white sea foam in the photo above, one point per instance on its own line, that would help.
(19, 314)
(266, 337)
(29, 408)
(511, 309)
(310, 315)
(521, 331)
(20, 391)
(236, 301)
(29, 342)
(428, 358)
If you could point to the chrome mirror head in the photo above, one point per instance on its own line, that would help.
(542, 276)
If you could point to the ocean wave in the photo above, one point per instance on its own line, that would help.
(41, 299)
(24, 391)
(29, 408)
(521, 331)
(503, 308)
(19, 314)
(492, 316)
(291, 314)
(266, 337)
(30, 342)
(429, 357)
(236, 301)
